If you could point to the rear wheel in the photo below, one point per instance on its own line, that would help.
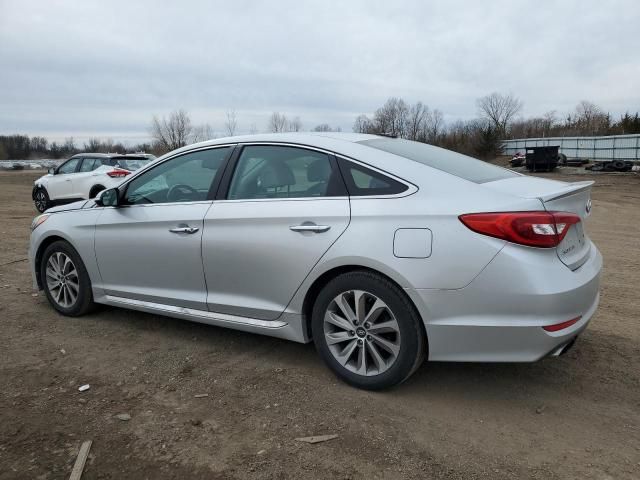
(41, 200)
(65, 280)
(95, 190)
(367, 332)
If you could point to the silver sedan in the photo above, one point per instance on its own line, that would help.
(382, 251)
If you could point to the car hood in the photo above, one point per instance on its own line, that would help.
(72, 206)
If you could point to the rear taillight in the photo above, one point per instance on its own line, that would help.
(534, 229)
(118, 173)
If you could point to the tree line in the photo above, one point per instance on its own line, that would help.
(23, 147)
(498, 118)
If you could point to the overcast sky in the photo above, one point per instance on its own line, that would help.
(89, 68)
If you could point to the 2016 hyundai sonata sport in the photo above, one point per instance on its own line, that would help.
(382, 251)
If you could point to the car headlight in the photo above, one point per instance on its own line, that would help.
(39, 220)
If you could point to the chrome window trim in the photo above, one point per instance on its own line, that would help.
(155, 163)
(290, 199)
(411, 188)
(148, 167)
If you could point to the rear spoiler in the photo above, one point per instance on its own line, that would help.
(570, 189)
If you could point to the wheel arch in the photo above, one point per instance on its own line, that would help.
(40, 251)
(36, 188)
(99, 187)
(325, 277)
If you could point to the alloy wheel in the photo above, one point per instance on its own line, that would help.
(41, 201)
(62, 279)
(362, 332)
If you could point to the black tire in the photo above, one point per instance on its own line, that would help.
(41, 199)
(84, 299)
(413, 342)
(562, 159)
(597, 167)
(618, 165)
(95, 190)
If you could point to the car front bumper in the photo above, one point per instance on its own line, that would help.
(500, 315)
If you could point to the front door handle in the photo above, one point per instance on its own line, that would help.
(310, 227)
(184, 229)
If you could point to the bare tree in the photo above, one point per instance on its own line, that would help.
(295, 125)
(499, 109)
(231, 124)
(253, 129)
(435, 127)
(590, 119)
(173, 132)
(325, 127)
(548, 121)
(200, 133)
(363, 124)
(278, 122)
(93, 145)
(392, 117)
(416, 120)
(69, 146)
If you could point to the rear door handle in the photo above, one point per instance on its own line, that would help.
(310, 227)
(184, 229)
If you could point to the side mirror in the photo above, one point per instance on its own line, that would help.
(51, 170)
(107, 198)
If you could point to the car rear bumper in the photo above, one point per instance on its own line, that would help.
(500, 315)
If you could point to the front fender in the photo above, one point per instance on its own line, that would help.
(75, 227)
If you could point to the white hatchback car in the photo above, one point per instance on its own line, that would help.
(83, 176)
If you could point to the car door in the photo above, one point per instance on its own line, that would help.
(282, 207)
(60, 185)
(149, 247)
(83, 180)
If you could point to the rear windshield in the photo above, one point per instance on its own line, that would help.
(132, 164)
(451, 162)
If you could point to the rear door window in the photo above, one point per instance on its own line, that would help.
(89, 164)
(269, 171)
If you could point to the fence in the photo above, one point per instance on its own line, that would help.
(614, 147)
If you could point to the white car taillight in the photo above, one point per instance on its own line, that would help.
(118, 173)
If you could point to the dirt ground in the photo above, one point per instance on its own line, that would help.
(577, 416)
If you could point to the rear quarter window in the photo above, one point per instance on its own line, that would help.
(461, 166)
(362, 181)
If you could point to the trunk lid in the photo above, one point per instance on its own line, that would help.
(574, 197)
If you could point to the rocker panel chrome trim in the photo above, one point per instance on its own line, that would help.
(221, 319)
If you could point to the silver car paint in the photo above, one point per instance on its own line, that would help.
(479, 297)
(254, 262)
(137, 235)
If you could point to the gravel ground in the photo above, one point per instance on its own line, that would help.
(577, 416)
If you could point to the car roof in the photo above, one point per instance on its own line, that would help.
(347, 144)
(139, 156)
(301, 138)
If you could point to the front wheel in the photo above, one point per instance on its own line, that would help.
(65, 280)
(41, 200)
(366, 330)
